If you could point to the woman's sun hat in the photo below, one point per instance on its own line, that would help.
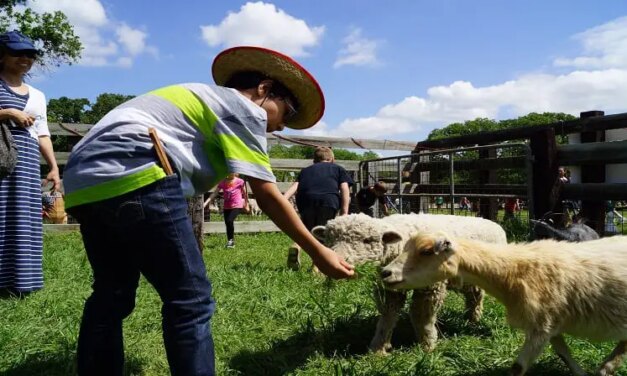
(278, 67)
(16, 41)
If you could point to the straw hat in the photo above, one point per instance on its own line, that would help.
(278, 67)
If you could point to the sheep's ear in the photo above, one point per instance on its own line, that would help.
(442, 243)
(319, 232)
(390, 237)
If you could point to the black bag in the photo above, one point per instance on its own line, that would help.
(8, 151)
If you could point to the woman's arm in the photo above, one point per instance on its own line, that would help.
(291, 190)
(45, 146)
(20, 118)
(283, 215)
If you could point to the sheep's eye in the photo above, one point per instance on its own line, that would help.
(427, 252)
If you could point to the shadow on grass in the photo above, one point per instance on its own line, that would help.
(6, 294)
(451, 323)
(545, 368)
(345, 337)
(58, 364)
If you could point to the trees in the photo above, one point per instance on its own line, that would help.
(67, 110)
(81, 110)
(307, 152)
(51, 32)
(484, 125)
(104, 103)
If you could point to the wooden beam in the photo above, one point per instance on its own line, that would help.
(601, 191)
(334, 142)
(596, 123)
(592, 153)
(276, 163)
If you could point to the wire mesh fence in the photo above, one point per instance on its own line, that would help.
(491, 181)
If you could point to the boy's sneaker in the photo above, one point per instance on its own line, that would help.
(230, 244)
(293, 257)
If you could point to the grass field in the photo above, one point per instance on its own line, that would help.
(269, 321)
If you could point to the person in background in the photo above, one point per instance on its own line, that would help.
(321, 190)
(611, 217)
(511, 207)
(235, 199)
(439, 201)
(24, 109)
(464, 204)
(561, 173)
(368, 196)
(132, 209)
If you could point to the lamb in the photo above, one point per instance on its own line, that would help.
(576, 232)
(548, 287)
(359, 239)
(561, 228)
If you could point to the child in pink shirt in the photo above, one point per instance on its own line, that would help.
(235, 198)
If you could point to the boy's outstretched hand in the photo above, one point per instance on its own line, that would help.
(333, 265)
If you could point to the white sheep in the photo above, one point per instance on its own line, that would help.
(548, 287)
(359, 238)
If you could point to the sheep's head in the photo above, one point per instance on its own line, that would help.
(427, 258)
(359, 238)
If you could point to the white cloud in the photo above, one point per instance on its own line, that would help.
(604, 47)
(321, 129)
(357, 51)
(572, 92)
(105, 41)
(261, 24)
(133, 40)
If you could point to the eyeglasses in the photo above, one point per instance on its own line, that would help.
(22, 53)
(291, 111)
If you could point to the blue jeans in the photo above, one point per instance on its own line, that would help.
(146, 231)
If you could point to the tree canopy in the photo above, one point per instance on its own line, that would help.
(81, 110)
(51, 32)
(485, 125)
(307, 152)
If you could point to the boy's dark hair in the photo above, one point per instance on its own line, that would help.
(251, 79)
(323, 154)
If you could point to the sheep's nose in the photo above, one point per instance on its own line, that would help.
(385, 273)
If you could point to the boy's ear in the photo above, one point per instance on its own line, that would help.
(264, 88)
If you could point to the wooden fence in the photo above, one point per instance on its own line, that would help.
(591, 155)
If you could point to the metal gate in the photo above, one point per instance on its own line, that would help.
(485, 181)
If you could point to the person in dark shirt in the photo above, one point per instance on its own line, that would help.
(322, 190)
(368, 196)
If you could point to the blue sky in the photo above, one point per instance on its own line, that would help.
(390, 70)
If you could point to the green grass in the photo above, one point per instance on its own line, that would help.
(269, 321)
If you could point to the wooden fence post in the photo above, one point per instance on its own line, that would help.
(544, 150)
(196, 212)
(591, 209)
(488, 207)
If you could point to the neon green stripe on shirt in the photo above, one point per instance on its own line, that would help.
(202, 117)
(235, 149)
(193, 107)
(114, 188)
